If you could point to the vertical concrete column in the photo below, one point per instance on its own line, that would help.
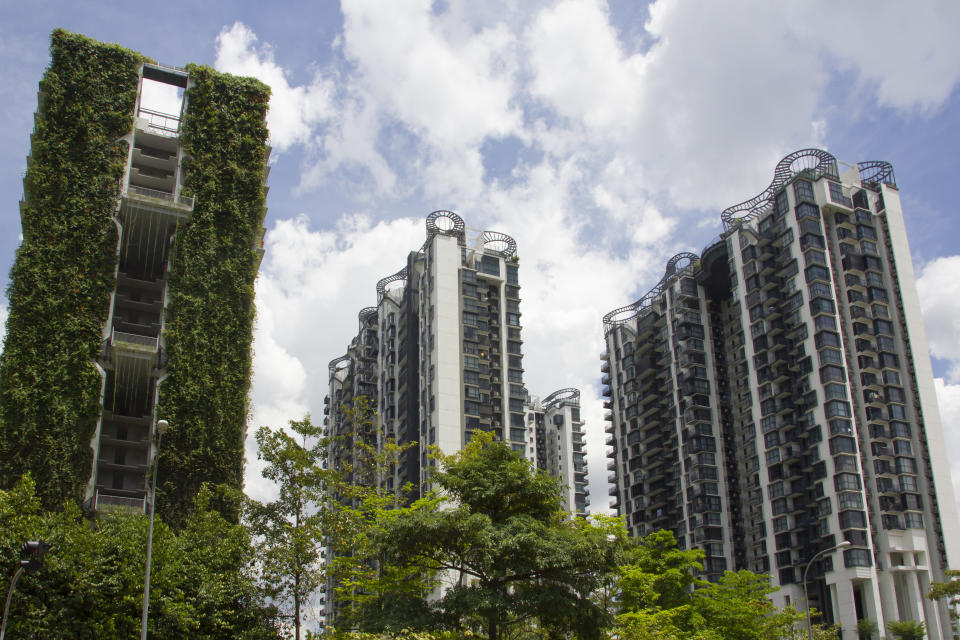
(936, 628)
(844, 608)
(875, 602)
(914, 597)
(888, 596)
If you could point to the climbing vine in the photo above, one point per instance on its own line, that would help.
(209, 321)
(63, 274)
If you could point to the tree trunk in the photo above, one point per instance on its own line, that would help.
(296, 606)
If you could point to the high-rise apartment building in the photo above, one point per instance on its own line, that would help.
(440, 359)
(555, 444)
(131, 298)
(440, 356)
(773, 398)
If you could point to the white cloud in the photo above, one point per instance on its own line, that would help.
(906, 58)
(948, 397)
(311, 286)
(614, 136)
(939, 291)
(294, 111)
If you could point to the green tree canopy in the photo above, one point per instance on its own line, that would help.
(507, 554)
(91, 584)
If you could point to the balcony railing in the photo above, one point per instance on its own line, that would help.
(186, 202)
(162, 124)
(149, 343)
(118, 503)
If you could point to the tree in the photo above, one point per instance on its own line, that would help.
(288, 530)
(507, 554)
(949, 589)
(662, 597)
(907, 629)
(371, 593)
(91, 585)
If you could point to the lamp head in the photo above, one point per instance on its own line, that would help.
(162, 426)
(844, 544)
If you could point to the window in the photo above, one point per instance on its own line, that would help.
(512, 274)
(831, 372)
(857, 558)
(834, 391)
(853, 519)
(842, 444)
(846, 482)
(913, 520)
(837, 408)
(803, 190)
(820, 305)
(841, 426)
(820, 289)
(490, 265)
(816, 272)
(825, 322)
(827, 339)
(469, 318)
(849, 500)
(815, 256)
(830, 356)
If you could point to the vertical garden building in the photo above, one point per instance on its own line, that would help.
(131, 298)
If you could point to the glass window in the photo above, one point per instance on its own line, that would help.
(803, 190)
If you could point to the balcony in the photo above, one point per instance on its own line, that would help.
(160, 124)
(134, 342)
(106, 502)
(140, 195)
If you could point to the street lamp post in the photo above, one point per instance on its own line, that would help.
(806, 598)
(161, 428)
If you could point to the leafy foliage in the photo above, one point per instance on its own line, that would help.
(949, 589)
(61, 280)
(866, 629)
(662, 598)
(907, 629)
(372, 593)
(507, 553)
(210, 311)
(91, 585)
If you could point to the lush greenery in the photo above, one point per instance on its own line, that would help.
(91, 584)
(61, 280)
(512, 564)
(210, 311)
(907, 629)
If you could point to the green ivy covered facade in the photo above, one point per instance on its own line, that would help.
(131, 297)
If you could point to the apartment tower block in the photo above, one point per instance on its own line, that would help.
(772, 398)
(440, 356)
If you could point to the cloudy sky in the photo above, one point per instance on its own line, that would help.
(603, 136)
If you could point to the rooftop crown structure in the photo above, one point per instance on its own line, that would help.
(131, 297)
(772, 398)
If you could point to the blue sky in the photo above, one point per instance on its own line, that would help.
(604, 137)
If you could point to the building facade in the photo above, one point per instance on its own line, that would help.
(772, 398)
(440, 357)
(131, 293)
